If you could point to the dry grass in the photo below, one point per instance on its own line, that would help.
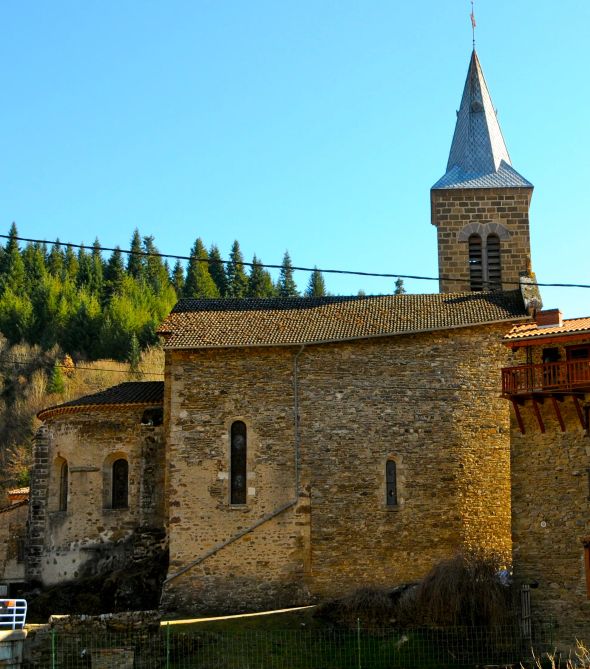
(580, 659)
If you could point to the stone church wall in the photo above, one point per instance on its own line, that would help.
(453, 210)
(89, 537)
(429, 401)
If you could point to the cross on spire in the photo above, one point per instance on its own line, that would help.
(473, 23)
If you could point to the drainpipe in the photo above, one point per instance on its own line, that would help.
(296, 419)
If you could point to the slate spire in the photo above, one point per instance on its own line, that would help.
(478, 157)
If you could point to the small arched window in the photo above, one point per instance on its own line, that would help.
(238, 459)
(494, 262)
(120, 485)
(475, 263)
(391, 483)
(63, 486)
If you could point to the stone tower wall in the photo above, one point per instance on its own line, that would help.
(454, 209)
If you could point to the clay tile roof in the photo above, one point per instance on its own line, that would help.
(291, 321)
(19, 491)
(132, 393)
(534, 331)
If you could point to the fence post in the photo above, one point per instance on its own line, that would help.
(53, 653)
(358, 640)
(168, 645)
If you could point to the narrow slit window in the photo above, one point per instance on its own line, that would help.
(238, 463)
(63, 486)
(475, 263)
(391, 483)
(120, 493)
(494, 262)
(587, 568)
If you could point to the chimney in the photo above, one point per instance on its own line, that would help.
(549, 318)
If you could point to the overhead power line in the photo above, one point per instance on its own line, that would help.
(382, 275)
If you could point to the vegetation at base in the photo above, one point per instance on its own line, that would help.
(462, 591)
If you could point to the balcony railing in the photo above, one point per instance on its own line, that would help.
(552, 377)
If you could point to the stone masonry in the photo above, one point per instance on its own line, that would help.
(455, 210)
(429, 401)
(89, 537)
(550, 512)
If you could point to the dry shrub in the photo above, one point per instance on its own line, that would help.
(464, 590)
(374, 607)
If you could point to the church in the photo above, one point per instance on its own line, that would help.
(301, 447)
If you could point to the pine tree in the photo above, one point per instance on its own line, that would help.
(134, 356)
(399, 287)
(178, 278)
(199, 283)
(286, 286)
(56, 384)
(217, 271)
(114, 273)
(316, 286)
(13, 267)
(55, 261)
(259, 282)
(135, 260)
(96, 282)
(70, 264)
(155, 272)
(237, 281)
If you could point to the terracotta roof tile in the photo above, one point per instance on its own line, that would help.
(129, 393)
(532, 330)
(292, 321)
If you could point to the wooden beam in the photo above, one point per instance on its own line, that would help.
(518, 416)
(579, 412)
(558, 413)
(538, 415)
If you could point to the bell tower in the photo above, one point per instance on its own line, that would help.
(480, 206)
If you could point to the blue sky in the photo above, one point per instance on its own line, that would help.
(316, 127)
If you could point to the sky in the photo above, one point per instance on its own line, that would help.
(316, 127)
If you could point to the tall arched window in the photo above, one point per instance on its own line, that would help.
(494, 262)
(391, 483)
(475, 263)
(238, 467)
(63, 486)
(120, 489)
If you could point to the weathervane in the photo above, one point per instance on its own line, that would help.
(473, 24)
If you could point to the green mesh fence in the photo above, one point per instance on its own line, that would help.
(172, 647)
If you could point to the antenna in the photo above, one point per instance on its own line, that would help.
(473, 24)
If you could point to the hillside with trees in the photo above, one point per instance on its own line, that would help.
(74, 321)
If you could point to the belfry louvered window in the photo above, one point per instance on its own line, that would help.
(238, 457)
(475, 263)
(494, 262)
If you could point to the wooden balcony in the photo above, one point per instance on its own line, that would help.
(551, 378)
(554, 380)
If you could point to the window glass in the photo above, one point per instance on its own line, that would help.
(120, 484)
(238, 463)
(391, 483)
